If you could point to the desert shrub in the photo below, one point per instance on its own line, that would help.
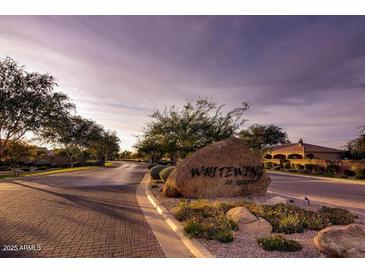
(349, 173)
(298, 166)
(318, 170)
(289, 218)
(42, 163)
(290, 224)
(286, 165)
(66, 164)
(309, 167)
(278, 243)
(225, 236)
(151, 165)
(303, 171)
(268, 165)
(205, 220)
(169, 190)
(331, 170)
(337, 216)
(42, 167)
(155, 171)
(360, 173)
(164, 174)
(213, 223)
(193, 228)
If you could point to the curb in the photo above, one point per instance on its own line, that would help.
(340, 180)
(196, 248)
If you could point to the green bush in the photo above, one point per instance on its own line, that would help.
(349, 173)
(193, 228)
(268, 165)
(337, 216)
(318, 170)
(205, 220)
(278, 243)
(360, 173)
(4, 168)
(309, 167)
(155, 172)
(151, 165)
(26, 169)
(290, 224)
(331, 170)
(43, 168)
(289, 218)
(298, 166)
(225, 236)
(303, 171)
(164, 174)
(42, 163)
(287, 165)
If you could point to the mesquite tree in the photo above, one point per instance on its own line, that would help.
(28, 102)
(261, 138)
(73, 134)
(180, 131)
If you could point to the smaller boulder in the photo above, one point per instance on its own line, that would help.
(276, 200)
(342, 241)
(241, 216)
(259, 227)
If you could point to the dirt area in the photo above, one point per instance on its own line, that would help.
(245, 245)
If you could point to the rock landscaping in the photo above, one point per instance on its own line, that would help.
(219, 194)
(342, 241)
(228, 226)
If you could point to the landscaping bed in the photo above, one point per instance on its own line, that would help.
(206, 221)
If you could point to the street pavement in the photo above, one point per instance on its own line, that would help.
(327, 192)
(91, 213)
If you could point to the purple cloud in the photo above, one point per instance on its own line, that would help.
(303, 73)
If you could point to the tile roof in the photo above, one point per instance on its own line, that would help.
(304, 148)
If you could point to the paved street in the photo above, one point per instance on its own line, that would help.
(78, 214)
(333, 193)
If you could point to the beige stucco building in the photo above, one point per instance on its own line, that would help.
(302, 150)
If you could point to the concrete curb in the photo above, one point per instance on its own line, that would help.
(197, 249)
(341, 180)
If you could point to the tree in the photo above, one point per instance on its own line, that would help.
(180, 131)
(126, 154)
(27, 102)
(106, 145)
(74, 134)
(261, 138)
(356, 146)
(16, 150)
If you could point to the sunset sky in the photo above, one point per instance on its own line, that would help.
(303, 73)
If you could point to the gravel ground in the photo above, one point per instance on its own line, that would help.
(245, 245)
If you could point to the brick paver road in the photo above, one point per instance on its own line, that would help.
(80, 214)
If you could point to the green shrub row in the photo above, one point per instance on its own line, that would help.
(331, 170)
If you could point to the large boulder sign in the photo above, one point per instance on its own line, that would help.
(227, 168)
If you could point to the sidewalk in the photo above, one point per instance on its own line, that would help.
(167, 238)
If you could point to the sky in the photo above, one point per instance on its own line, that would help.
(305, 74)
